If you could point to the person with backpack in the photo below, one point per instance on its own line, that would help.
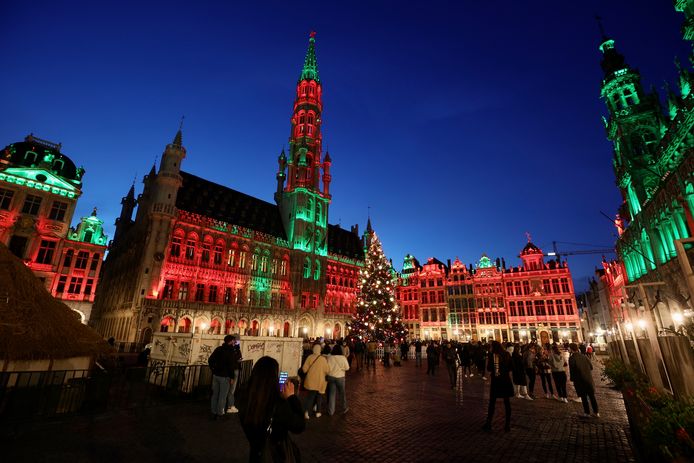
(223, 368)
(316, 369)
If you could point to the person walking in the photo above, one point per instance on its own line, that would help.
(268, 412)
(222, 364)
(499, 366)
(237, 358)
(544, 369)
(558, 365)
(450, 356)
(316, 368)
(466, 360)
(520, 382)
(336, 379)
(580, 369)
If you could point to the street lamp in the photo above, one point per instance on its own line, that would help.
(328, 330)
(678, 318)
(523, 334)
(642, 324)
(305, 331)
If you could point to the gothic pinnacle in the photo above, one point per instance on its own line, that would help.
(310, 69)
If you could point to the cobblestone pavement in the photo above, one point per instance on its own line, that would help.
(396, 415)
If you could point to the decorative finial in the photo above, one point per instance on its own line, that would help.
(180, 126)
(527, 235)
(94, 212)
(600, 26)
(312, 34)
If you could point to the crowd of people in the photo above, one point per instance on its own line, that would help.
(268, 411)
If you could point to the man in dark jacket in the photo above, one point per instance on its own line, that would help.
(450, 356)
(580, 370)
(222, 363)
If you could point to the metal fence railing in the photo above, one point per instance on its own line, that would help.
(28, 394)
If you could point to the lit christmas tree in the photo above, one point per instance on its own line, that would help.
(378, 314)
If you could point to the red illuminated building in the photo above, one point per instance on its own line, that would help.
(200, 256)
(39, 189)
(534, 301)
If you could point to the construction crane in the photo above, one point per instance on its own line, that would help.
(557, 254)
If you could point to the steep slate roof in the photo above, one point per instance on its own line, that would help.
(344, 243)
(209, 199)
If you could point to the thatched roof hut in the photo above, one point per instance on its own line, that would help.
(36, 330)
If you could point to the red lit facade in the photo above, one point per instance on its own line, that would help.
(533, 301)
(39, 189)
(200, 256)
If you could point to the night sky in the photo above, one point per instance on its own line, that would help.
(461, 124)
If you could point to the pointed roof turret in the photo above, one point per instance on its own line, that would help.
(327, 157)
(178, 139)
(131, 192)
(310, 69)
(612, 60)
(368, 226)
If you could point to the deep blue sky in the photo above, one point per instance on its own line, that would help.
(462, 124)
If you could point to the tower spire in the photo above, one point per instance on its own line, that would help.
(178, 139)
(310, 69)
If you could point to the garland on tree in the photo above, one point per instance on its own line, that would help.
(378, 315)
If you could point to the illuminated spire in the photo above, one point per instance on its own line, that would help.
(310, 70)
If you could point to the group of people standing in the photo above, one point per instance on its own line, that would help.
(513, 370)
(323, 370)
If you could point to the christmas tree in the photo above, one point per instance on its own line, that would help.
(378, 314)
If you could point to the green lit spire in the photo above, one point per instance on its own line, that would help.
(310, 70)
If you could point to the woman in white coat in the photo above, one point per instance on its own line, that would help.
(336, 379)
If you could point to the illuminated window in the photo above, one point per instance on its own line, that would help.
(231, 256)
(316, 274)
(283, 268)
(242, 259)
(190, 249)
(31, 205)
(168, 289)
(175, 250)
(307, 268)
(227, 295)
(254, 262)
(6, 198)
(273, 267)
(58, 210)
(46, 250)
(183, 291)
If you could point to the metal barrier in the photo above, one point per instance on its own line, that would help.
(28, 394)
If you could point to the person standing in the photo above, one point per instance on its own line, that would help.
(558, 365)
(234, 384)
(404, 349)
(371, 347)
(580, 369)
(449, 356)
(520, 382)
(544, 369)
(481, 359)
(222, 364)
(268, 412)
(316, 368)
(465, 360)
(432, 358)
(336, 379)
(529, 365)
(418, 353)
(359, 349)
(499, 366)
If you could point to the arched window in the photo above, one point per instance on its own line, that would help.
(30, 156)
(167, 324)
(307, 268)
(316, 274)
